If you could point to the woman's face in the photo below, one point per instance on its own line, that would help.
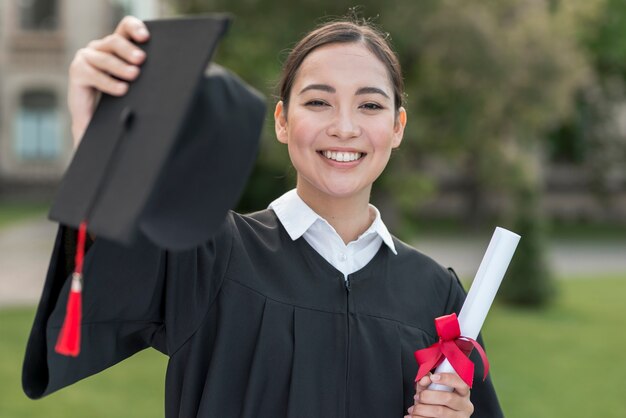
(341, 124)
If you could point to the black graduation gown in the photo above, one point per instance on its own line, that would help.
(254, 324)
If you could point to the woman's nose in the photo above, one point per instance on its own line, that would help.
(344, 126)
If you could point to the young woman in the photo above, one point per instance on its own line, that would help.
(307, 309)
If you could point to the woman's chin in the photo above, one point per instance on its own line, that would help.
(333, 187)
(343, 191)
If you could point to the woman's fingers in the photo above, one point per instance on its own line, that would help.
(434, 403)
(132, 28)
(104, 82)
(453, 381)
(450, 400)
(110, 64)
(423, 383)
(120, 46)
(85, 75)
(105, 65)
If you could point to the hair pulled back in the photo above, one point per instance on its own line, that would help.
(343, 31)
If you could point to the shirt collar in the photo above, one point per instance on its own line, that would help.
(297, 217)
(380, 228)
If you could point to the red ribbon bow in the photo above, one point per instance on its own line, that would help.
(451, 346)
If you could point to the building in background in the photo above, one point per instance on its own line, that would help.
(38, 39)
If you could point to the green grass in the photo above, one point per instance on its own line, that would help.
(133, 388)
(15, 212)
(566, 361)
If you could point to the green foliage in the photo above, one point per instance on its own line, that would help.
(606, 41)
(593, 137)
(528, 281)
(568, 142)
(480, 73)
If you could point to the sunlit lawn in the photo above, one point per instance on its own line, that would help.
(567, 361)
(132, 389)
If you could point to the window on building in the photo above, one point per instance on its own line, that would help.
(39, 15)
(38, 127)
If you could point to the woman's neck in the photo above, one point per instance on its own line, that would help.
(350, 216)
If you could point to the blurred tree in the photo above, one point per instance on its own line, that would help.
(595, 136)
(529, 281)
(480, 76)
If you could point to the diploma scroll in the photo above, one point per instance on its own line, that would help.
(483, 290)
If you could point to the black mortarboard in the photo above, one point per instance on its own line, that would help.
(170, 157)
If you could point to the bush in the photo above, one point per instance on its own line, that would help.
(528, 280)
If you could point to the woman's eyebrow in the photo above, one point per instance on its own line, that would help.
(330, 89)
(322, 87)
(370, 90)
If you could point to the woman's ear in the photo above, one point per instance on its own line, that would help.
(398, 130)
(280, 122)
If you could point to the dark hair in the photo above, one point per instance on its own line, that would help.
(343, 31)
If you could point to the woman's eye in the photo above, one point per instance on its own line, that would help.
(371, 106)
(316, 103)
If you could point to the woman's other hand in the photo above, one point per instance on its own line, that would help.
(439, 404)
(104, 65)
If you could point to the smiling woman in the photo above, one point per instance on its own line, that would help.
(340, 125)
(309, 308)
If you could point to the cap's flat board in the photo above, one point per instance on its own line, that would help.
(117, 164)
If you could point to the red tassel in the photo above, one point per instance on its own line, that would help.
(68, 343)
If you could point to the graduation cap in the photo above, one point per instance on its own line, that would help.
(166, 160)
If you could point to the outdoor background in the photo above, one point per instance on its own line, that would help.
(517, 118)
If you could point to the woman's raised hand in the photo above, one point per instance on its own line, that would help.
(104, 65)
(438, 404)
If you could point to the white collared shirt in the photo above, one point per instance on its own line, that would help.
(301, 221)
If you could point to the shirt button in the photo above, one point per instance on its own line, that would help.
(342, 257)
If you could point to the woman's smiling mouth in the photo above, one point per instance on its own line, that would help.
(342, 156)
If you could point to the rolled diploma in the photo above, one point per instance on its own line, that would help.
(483, 290)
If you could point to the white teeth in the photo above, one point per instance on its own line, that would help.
(342, 156)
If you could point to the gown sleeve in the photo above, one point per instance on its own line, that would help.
(483, 394)
(134, 297)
